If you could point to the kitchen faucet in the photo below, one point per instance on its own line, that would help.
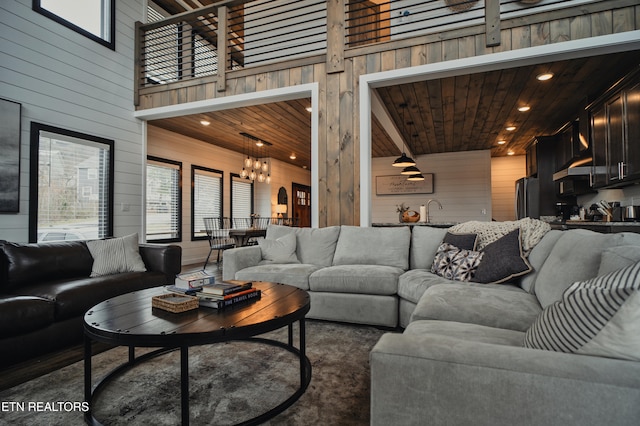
(429, 202)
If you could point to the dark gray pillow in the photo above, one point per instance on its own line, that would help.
(462, 241)
(502, 260)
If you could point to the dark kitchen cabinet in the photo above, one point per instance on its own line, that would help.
(632, 154)
(615, 137)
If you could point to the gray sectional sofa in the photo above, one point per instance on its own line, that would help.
(462, 357)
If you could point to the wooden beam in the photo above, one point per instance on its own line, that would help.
(223, 51)
(335, 36)
(492, 22)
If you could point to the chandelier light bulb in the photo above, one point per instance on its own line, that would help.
(257, 164)
(268, 179)
(244, 173)
(265, 166)
(261, 177)
(248, 162)
(252, 175)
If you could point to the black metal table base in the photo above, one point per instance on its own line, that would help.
(91, 394)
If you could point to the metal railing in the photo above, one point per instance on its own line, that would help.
(187, 46)
(368, 22)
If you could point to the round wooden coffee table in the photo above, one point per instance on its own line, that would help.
(129, 320)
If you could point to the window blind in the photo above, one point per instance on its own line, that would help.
(163, 200)
(241, 197)
(207, 198)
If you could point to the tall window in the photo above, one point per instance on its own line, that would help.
(71, 189)
(91, 18)
(206, 198)
(241, 197)
(164, 200)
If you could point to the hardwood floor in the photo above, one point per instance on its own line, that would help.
(28, 370)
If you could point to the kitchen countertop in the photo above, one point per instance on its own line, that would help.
(592, 223)
(432, 224)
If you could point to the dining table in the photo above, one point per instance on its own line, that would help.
(242, 236)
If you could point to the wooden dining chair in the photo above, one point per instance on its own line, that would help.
(218, 232)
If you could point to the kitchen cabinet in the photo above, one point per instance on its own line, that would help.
(615, 137)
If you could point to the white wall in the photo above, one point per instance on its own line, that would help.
(66, 80)
(173, 146)
(504, 173)
(462, 183)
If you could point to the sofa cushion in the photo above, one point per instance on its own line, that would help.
(363, 279)
(73, 297)
(115, 255)
(362, 246)
(295, 274)
(477, 304)
(463, 241)
(425, 241)
(22, 314)
(313, 245)
(413, 283)
(467, 332)
(575, 257)
(502, 260)
(598, 317)
(537, 257)
(616, 258)
(33, 263)
(454, 263)
(281, 250)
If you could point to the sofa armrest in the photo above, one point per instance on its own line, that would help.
(239, 258)
(453, 381)
(166, 259)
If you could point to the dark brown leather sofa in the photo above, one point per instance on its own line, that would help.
(45, 289)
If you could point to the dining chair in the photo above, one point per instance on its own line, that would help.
(218, 232)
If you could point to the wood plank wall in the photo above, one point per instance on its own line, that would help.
(338, 137)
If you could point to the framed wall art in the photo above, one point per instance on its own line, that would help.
(10, 158)
(398, 184)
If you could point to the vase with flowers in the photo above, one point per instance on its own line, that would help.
(401, 209)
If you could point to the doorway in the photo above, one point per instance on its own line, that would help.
(301, 204)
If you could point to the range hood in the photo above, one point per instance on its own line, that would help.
(579, 168)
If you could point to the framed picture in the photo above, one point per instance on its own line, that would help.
(10, 158)
(398, 184)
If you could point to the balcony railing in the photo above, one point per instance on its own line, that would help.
(187, 46)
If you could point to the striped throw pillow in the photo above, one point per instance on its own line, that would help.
(115, 255)
(599, 317)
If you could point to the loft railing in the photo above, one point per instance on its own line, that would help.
(187, 47)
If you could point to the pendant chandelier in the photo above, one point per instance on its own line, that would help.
(403, 160)
(257, 163)
(413, 172)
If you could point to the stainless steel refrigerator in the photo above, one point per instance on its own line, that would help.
(527, 198)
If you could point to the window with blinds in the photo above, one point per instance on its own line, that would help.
(241, 197)
(71, 185)
(164, 200)
(206, 198)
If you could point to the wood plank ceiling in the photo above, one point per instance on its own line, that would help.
(468, 112)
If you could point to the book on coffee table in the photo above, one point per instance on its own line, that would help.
(246, 296)
(226, 287)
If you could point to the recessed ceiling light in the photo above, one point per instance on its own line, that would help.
(293, 156)
(309, 109)
(510, 153)
(205, 122)
(501, 142)
(510, 128)
(524, 108)
(545, 76)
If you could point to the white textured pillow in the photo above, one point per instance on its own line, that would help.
(282, 250)
(599, 317)
(115, 255)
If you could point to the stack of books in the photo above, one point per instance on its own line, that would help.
(194, 280)
(222, 294)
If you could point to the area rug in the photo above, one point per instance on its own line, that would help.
(229, 383)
